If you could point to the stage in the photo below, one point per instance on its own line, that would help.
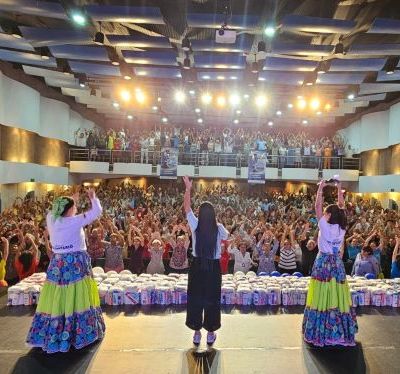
(154, 340)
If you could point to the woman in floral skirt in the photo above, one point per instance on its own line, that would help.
(68, 313)
(329, 319)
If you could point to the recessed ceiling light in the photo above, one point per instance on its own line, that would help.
(304, 122)
(206, 77)
(115, 104)
(155, 108)
(319, 113)
(235, 121)
(197, 110)
(159, 99)
(278, 113)
(192, 92)
(129, 116)
(270, 123)
(270, 31)
(164, 119)
(238, 111)
(78, 18)
(246, 96)
(221, 77)
(261, 79)
(115, 63)
(290, 105)
(199, 120)
(127, 77)
(233, 77)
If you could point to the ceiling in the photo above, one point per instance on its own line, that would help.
(146, 39)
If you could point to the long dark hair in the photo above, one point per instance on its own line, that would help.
(26, 259)
(338, 216)
(206, 232)
(69, 205)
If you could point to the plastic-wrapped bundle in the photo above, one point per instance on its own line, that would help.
(131, 295)
(274, 295)
(97, 270)
(115, 296)
(125, 277)
(396, 299)
(147, 294)
(260, 296)
(227, 295)
(389, 297)
(13, 295)
(180, 294)
(163, 295)
(126, 272)
(112, 273)
(103, 289)
(376, 297)
(251, 274)
(286, 297)
(244, 295)
(301, 296)
(354, 298)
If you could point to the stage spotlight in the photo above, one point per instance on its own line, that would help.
(235, 121)
(155, 108)
(270, 31)
(164, 119)
(129, 116)
(318, 113)
(125, 95)
(197, 110)
(221, 101)
(115, 104)
(206, 98)
(159, 99)
(78, 17)
(278, 113)
(234, 99)
(199, 120)
(115, 62)
(260, 100)
(304, 122)
(328, 107)
(351, 96)
(180, 97)
(301, 104)
(127, 77)
(290, 105)
(99, 38)
(192, 92)
(270, 123)
(339, 49)
(140, 96)
(314, 104)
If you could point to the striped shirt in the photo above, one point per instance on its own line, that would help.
(287, 259)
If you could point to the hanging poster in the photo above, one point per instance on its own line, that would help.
(169, 163)
(256, 166)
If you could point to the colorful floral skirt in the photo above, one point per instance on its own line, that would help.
(329, 318)
(68, 313)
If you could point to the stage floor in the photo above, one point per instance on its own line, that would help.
(250, 341)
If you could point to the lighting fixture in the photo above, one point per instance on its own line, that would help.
(246, 96)
(82, 81)
(310, 79)
(260, 100)
(206, 77)
(16, 33)
(278, 113)
(99, 38)
(180, 97)
(78, 17)
(235, 121)
(304, 122)
(351, 96)
(164, 119)
(125, 95)
(323, 67)
(270, 31)
(206, 98)
(197, 110)
(155, 108)
(301, 104)
(159, 99)
(233, 77)
(270, 123)
(129, 116)
(391, 64)
(192, 92)
(238, 111)
(186, 44)
(115, 63)
(127, 77)
(140, 96)
(328, 107)
(290, 105)
(115, 104)
(318, 113)
(199, 120)
(221, 101)
(315, 103)
(234, 99)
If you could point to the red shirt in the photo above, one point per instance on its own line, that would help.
(224, 261)
(20, 268)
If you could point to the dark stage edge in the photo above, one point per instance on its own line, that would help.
(155, 340)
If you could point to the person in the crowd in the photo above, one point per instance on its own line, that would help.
(265, 252)
(178, 262)
(156, 265)
(114, 252)
(69, 297)
(204, 286)
(287, 256)
(328, 306)
(365, 263)
(395, 272)
(3, 260)
(225, 257)
(27, 258)
(135, 250)
(95, 244)
(242, 257)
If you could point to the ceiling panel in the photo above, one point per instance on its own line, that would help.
(163, 73)
(284, 78)
(341, 78)
(299, 49)
(41, 37)
(288, 64)
(215, 20)
(94, 69)
(366, 64)
(294, 22)
(385, 26)
(150, 57)
(8, 41)
(34, 8)
(80, 52)
(374, 49)
(26, 58)
(139, 41)
(220, 61)
(242, 44)
(220, 76)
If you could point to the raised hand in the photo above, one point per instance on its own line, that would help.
(188, 182)
(91, 193)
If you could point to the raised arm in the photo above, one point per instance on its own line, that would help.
(186, 197)
(340, 196)
(93, 213)
(396, 248)
(319, 200)
(6, 246)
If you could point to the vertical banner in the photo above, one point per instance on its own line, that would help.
(256, 166)
(169, 163)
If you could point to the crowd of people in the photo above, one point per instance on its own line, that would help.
(287, 146)
(145, 230)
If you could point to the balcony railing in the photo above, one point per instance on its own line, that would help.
(213, 159)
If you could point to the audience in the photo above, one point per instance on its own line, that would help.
(144, 229)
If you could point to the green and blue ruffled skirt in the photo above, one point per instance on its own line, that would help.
(68, 313)
(329, 318)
